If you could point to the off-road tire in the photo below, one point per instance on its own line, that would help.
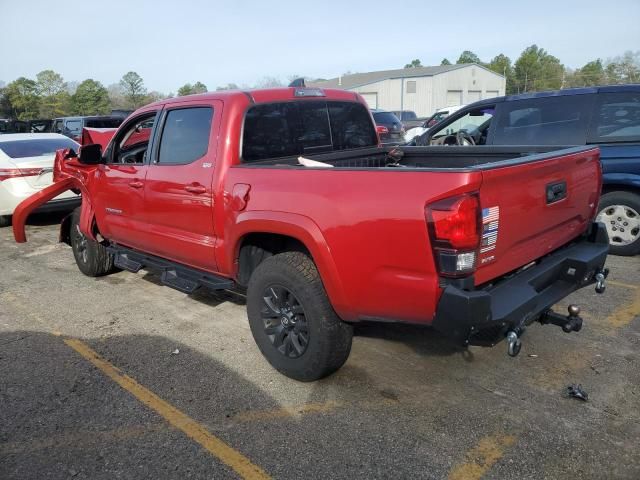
(92, 258)
(5, 220)
(625, 199)
(329, 338)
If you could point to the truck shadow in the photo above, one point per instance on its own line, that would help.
(61, 415)
(424, 340)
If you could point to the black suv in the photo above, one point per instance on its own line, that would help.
(72, 126)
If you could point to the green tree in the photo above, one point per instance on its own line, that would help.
(445, 61)
(188, 89)
(589, 75)
(624, 68)
(537, 70)
(269, 82)
(22, 96)
(54, 98)
(468, 57)
(502, 64)
(90, 98)
(133, 89)
(413, 64)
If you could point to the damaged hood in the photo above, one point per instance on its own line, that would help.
(101, 136)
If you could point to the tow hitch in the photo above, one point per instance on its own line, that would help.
(514, 344)
(600, 280)
(570, 323)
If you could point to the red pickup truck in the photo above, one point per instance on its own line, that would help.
(288, 193)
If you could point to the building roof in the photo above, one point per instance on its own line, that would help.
(358, 79)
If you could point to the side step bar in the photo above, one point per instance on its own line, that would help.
(174, 275)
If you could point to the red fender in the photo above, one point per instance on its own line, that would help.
(66, 177)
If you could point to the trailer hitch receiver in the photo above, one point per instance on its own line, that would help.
(569, 323)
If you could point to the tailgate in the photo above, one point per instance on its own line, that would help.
(531, 207)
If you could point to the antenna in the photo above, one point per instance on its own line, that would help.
(298, 82)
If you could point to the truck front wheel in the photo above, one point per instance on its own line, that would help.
(92, 258)
(292, 320)
(620, 212)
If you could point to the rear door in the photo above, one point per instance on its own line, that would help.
(178, 185)
(530, 209)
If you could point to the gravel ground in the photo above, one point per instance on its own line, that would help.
(406, 404)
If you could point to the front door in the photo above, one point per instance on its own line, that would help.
(178, 186)
(117, 189)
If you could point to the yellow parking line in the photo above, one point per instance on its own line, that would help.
(622, 284)
(80, 439)
(231, 457)
(482, 457)
(624, 315)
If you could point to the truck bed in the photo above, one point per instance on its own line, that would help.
(423, 158)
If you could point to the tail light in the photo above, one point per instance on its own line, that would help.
(454, 228)
(381, 129)
(6, 173)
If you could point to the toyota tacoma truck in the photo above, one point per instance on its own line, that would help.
(288, 193)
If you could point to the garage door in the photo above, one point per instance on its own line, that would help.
(491, 93)
(371, 99)
(454, 97)
(473, 96)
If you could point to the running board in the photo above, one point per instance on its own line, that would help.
(174, 275)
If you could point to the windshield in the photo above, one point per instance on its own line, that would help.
(36, 147)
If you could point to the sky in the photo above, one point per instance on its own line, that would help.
(170, 43)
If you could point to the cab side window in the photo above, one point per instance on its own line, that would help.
(616, 118)
(559, 120)
(131, 144)
(185, 135)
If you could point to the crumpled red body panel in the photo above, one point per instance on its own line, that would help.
(68, 174)
(101, 136)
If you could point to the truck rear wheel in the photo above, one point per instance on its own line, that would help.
(92, 258)
(292, 320)
(620, 212)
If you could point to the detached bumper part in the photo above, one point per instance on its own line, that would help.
(486, 316)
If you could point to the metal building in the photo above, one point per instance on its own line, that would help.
(422, 89)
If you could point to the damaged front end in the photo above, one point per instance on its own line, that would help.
(69, 173)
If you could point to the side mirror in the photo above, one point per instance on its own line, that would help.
(90, 154)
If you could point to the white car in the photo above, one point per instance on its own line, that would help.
(26, 166)
(440, 114)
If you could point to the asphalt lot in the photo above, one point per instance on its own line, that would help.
(90, 387)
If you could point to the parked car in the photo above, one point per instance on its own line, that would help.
(608, 117)
(388, 126)
(408, 118)
(26, 166)
(434, 119)
(72, 126)
(287, 192)
(8, 125)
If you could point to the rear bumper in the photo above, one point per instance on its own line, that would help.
(483, 317)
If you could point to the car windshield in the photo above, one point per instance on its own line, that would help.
(385, 118)
(36, 147)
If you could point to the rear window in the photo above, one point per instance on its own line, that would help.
(385, 118)
(36, 147)
(408, 115)
(616, 117)
(103, 122)
(73, 126)
(296, 128)
(544, 121)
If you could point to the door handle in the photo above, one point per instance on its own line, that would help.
(136, 184)
(196, 189)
